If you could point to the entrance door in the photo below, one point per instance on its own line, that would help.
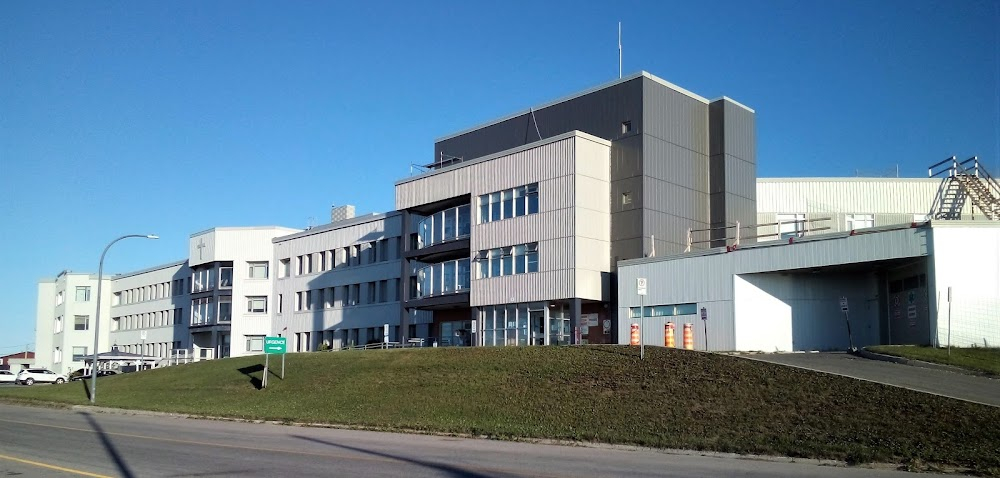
(537, 319)
(909, 311)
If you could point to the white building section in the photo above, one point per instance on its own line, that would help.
(64, 333)
(231, 287)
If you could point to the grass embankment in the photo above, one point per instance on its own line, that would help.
(986, 360)
(673, 399)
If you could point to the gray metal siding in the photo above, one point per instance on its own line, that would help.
(600, 113)
(708, 280)
(733, 167)
(740, 131)
(674, 117)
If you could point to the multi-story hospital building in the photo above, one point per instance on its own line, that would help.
(532, 229)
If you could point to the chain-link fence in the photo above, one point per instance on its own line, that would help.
(969, 321)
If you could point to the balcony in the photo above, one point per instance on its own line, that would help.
(443, 278)
(443, 226)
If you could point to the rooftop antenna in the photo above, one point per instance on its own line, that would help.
(619, 50)
(310, 222)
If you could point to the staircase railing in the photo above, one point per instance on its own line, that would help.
(985, 190)
(979, 171)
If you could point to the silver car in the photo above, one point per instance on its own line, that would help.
(31, 375)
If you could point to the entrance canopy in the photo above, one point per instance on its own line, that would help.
(116, 360)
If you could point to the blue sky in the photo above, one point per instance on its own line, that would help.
(174, 117)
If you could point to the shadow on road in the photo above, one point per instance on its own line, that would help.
(449, 469)
(110, 447)
(252, 369)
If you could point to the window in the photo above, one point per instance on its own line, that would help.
(201, 280)
(58, 326)
(284, 267)
(255, 343)
(860, 221)
(791, 225)
(626, 127)
(57, 355)
(202, 311)
(508, 203)
(370, 289)
(225, 309)
(59, 298)
(115, 323)
(81, 322)
(504, 261)
(79, 353)
(626, 198)
(664, 310)
(226, 277)
(258, 270)
(257, 304)
(447, 225)
(83, 294)
(281, 302)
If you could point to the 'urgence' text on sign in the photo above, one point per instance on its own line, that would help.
(275, 345)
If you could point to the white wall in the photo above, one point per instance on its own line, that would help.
(781, 312)
(966, 257)
(44, 317)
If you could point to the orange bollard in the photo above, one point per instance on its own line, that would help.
(668, 335)
(635, 334)
(688, 337)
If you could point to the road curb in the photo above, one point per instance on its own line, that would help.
(863, 353)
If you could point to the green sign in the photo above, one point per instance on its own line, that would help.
(275, 345)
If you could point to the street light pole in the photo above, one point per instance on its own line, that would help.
(97, 316)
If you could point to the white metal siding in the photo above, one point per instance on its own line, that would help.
(967, 259)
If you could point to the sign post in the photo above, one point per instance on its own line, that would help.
(274, 345)
(640, 288)
(704, 320)
(847, 317)
(949, 319)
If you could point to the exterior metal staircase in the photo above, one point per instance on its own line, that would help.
(962, 181)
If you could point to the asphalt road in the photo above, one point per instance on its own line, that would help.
(941, 382)
(57, 442)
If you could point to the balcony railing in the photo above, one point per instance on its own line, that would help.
(448, 225)
(443, 278)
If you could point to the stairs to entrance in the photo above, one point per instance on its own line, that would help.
(965, 181)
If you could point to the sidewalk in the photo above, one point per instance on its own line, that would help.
(938, 381)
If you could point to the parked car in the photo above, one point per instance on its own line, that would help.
(102, 373)
(31, 375)
(6, 376)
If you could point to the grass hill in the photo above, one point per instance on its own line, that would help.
(673, 399)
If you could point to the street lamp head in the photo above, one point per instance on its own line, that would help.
(152, 236)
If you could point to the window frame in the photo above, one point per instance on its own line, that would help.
(251, 299)
(254, 265)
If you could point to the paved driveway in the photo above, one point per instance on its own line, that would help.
(940, 382)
